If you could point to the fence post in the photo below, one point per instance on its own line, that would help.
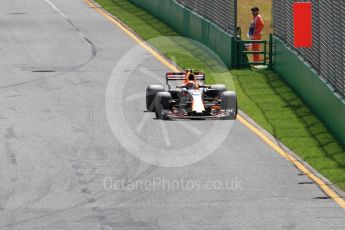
(235, 18)
(234, 50)
(270, 52)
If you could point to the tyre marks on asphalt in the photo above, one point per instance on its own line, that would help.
(55, 71)
(11, 153)
(91, 172)
(121, 218)
(8, 166)
(86, 39)
(92, 168)
(93, 203)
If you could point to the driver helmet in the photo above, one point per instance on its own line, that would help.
(189, 77)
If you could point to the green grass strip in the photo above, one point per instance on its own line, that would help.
(261, 94)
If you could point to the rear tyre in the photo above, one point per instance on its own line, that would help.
(229, 103)
(162, 104)
(151, 92)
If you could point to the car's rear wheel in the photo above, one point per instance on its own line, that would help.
(162, 104)
(151, 92)
(229, 103)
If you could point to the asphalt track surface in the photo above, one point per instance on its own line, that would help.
(59, 62)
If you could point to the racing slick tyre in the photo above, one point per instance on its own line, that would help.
(162, 104)
(229, 103)
(151, 92)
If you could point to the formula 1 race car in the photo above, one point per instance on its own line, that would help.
(192, 99)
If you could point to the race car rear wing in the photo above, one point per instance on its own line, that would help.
(180, 76)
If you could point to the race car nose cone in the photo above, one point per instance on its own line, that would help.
(198, 104)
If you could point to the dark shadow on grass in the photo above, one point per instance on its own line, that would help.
(315, 144)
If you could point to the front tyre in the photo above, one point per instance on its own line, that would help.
(162, 104)
(229, 103)
(151, 92)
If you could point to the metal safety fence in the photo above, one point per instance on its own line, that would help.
(327, 53)
(223, 13)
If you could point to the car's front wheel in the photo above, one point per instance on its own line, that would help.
(162, 104)
(229, 103)
(151, 92)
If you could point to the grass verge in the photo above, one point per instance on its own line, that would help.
(262, 95)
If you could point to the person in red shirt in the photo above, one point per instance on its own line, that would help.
(255, 31)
